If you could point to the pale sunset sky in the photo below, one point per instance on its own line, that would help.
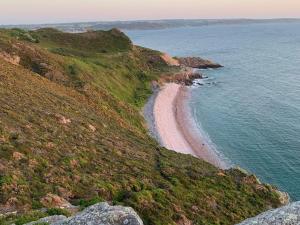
(56, 11)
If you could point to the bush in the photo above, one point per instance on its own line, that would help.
(83, 203)
(58, 211)
(24, 35)
(33, 216)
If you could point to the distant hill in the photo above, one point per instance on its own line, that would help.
(146, 24)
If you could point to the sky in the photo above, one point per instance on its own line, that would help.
(60, 11)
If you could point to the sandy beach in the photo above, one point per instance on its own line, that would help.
(175, 127)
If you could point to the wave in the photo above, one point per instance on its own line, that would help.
(198, 129)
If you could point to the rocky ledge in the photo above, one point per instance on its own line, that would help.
(185, 77)
(99, 214)
(197, 62)
(287, 215)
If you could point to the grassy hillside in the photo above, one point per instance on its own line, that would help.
(70, 125)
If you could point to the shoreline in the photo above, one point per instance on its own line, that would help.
(170, 121)
(190, 131)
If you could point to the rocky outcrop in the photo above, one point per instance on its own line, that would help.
(169, 60)
(13, 59)
(284, 197)
(54, 201)
(185, 77)
(287, 215)
(99, 214)
(197, 62)
(191, 62)
(242, 176)
(48, 220)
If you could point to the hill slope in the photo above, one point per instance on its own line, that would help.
(70, 125)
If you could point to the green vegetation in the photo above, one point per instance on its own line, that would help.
(70, 125)
(32, 216)
(58, 211)
(23, 219)
(83, 203)
(24, 35)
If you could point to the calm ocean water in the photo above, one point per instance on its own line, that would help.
(250, 109)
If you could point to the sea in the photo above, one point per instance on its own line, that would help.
(249, 110)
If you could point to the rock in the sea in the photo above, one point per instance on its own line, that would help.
(287, 215)
(99, 214)
(197, 62)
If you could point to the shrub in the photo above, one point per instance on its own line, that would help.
(33, 216)
(83, 203)
(57, 211)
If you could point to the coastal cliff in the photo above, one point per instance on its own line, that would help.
(190, 62)
(71, 132)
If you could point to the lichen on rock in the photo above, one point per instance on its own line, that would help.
(99, 214)
(287, 215)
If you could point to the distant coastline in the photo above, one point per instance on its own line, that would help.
(77, 27)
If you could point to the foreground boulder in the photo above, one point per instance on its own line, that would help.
(287, 215)
(99, 214)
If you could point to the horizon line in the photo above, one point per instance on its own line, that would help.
(147, 20)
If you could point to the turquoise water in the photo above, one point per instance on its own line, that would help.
(250, 109)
